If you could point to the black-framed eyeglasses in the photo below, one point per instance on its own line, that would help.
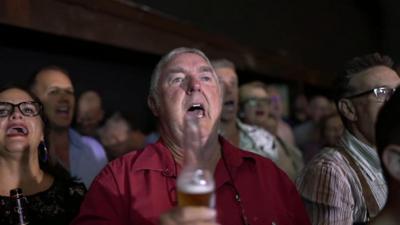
(382, 94)
(26, 108)
(254, 102)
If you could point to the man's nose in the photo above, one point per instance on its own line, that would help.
(228, 89)
(193, 84)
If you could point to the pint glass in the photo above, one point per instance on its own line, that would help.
(196, 188)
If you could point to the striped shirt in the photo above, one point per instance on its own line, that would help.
(331, 190)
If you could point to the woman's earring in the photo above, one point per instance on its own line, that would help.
(43, 153)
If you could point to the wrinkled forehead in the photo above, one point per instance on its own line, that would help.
(187, 61)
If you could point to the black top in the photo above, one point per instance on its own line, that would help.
(57, 205)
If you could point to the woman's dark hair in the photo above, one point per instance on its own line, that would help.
(54, 169)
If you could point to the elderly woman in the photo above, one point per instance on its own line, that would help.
(53, 197)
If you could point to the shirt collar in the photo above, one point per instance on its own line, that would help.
(160, 158)
(75, 138)
(366, 156)
(157, 157)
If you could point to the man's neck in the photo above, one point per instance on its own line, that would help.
(361, 137)
(210, 152)
(59, 146)
(230, 131)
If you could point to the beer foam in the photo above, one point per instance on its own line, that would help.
(191, 188)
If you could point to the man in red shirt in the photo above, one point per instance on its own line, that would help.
(140, 187)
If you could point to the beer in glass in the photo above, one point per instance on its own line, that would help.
(196, 188)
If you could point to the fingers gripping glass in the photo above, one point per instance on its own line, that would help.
(382, 94)
(26, 108)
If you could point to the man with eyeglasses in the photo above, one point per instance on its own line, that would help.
(82, 156)
(345, 185)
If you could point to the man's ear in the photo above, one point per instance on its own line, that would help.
(151, 102)
(347, 109)
(391, 160)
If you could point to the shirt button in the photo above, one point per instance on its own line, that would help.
(165, 172)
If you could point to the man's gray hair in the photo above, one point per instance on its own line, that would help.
(223, 63)
(155, 77)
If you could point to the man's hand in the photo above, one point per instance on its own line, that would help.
(189, 216)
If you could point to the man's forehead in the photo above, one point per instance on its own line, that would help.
(186, 60)
(226, 73)
(373, 77)
(53, 78)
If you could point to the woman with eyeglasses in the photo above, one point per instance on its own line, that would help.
(53, 197)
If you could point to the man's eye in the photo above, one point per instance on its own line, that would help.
(206, 78)
(69, 92)
(54, 92)
(177, 80)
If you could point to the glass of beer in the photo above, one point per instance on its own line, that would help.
(196, 188)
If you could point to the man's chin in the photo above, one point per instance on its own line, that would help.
(228, 116)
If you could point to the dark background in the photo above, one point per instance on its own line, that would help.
(321, 35)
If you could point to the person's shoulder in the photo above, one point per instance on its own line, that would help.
(78, 139)
(329, 162)
(257, 134)
(328, 157)
(70, 187)
(92, 142)
(244, 154)
(265, 165)
(138, 159)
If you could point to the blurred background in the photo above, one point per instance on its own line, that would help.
(112, 46)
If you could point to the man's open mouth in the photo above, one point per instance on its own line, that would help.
(230, 104)
(196, 110)
(63, 110)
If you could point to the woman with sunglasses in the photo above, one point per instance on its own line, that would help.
(53, 197)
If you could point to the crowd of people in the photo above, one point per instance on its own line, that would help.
(326, 164)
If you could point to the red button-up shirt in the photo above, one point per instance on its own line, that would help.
(138, 187)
